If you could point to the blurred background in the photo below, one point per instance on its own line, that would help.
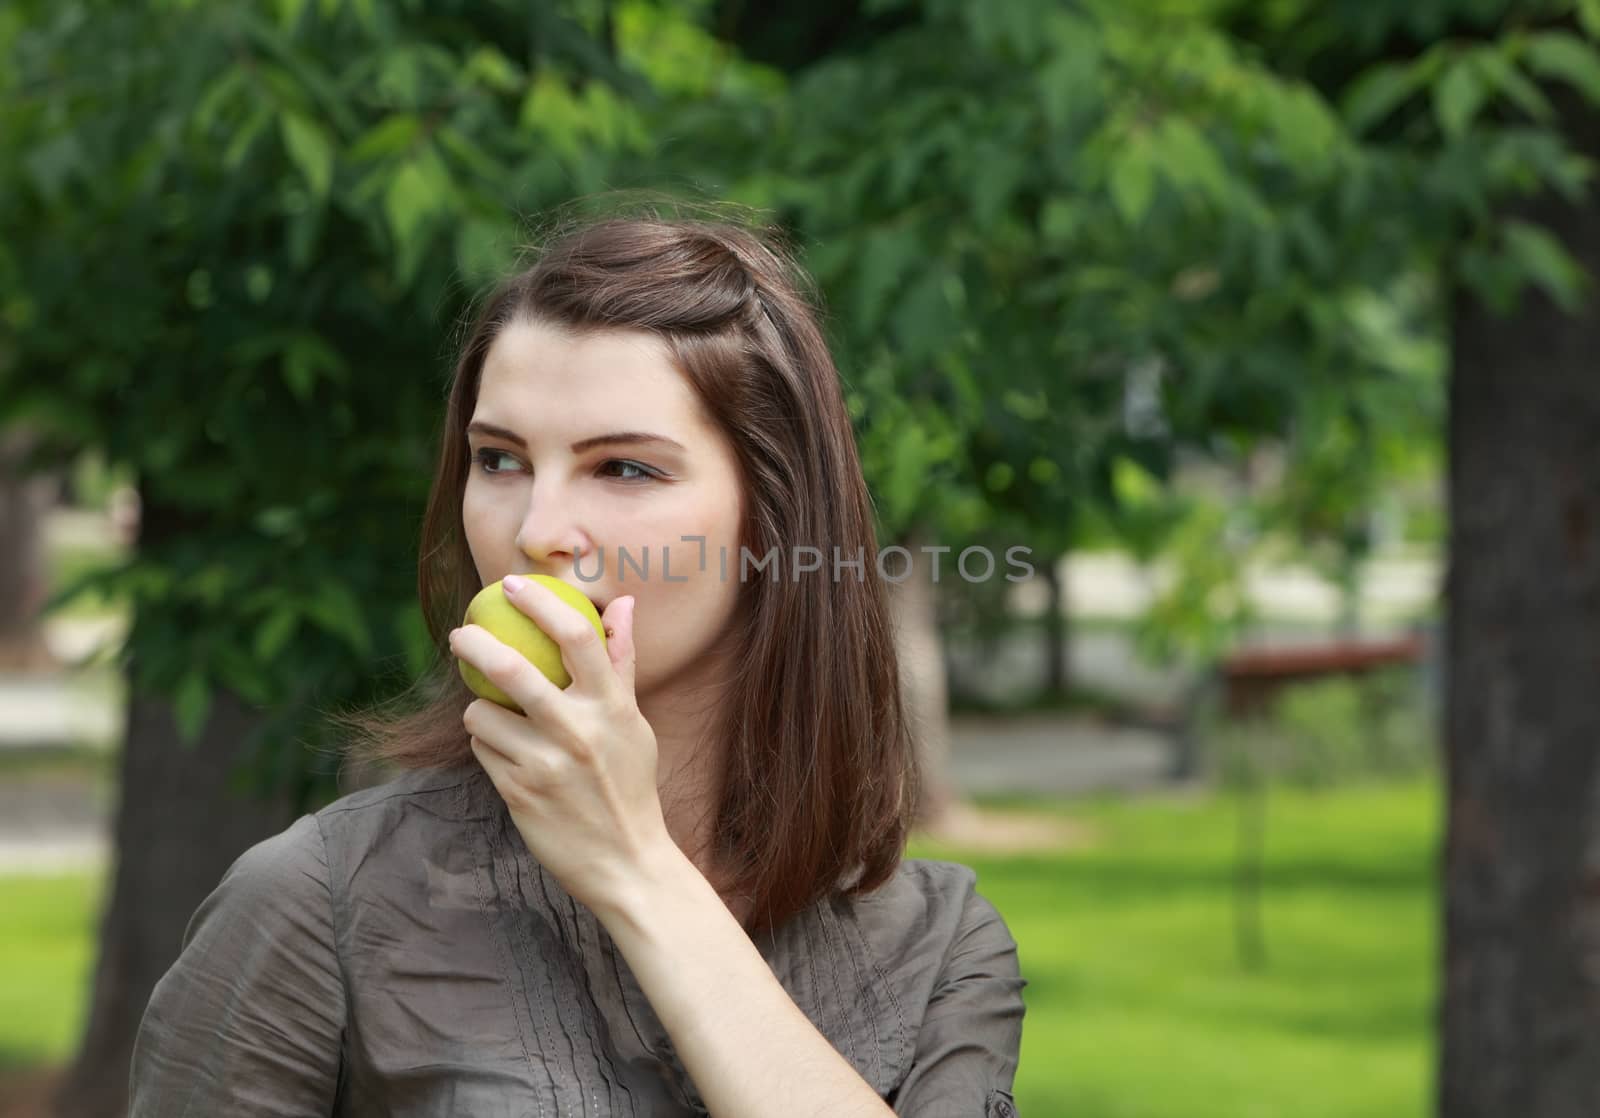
(1268, 326)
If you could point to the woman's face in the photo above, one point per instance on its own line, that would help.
(544, 494)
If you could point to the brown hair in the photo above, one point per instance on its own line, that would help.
(820, 781)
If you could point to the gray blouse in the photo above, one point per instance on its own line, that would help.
(401, 953)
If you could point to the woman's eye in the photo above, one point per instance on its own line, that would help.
(483, 457)
(640, 473)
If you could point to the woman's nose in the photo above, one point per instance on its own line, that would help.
(550, 533)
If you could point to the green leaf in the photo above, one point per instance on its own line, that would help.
(885, 257)
(289, 13)
(216, 95)
(1305, 128)
(399, 78)
(470, 154)
(1060, 218)
(483, 248)
(1132, 182)
(336, 610)
(922, 320)
(1458, 96)
(367, 12)
(305, 357)
(1589, 17)
(1044, 471)
(308, 145)
(1028, 406)
(1188, 159)
(190, 706)
(550, 110)
(1068, 85)
(1133, 486)
(999, 172)
(51, 163)
(908, 469)
(1504, 77)
(239, 146)
(1378, 93)
(304, 229)
(492, 69)
(389, 137)
(413, 196)
(274, 633)
(1542, 259)
(1565, 57)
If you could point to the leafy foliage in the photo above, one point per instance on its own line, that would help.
(1062, 246)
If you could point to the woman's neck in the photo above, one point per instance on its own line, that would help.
(690, 760)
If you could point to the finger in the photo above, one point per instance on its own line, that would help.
(618, 620)
(503, 772)
(504, 731)
(521, 760)
(495, 763)
(506, 668)
(582, 649)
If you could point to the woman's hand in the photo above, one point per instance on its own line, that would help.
(578, 769)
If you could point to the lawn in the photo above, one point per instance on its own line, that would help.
(47, 927)
(1137, 1006)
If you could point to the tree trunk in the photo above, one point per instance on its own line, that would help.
(179, 826)
(24, 584)
(1520, 1018)
(920, 647)
(1057, 628)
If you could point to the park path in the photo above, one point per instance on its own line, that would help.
(53, 821)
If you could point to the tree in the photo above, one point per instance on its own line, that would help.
(1491, 111)
(269, 230)
(1520, 1020)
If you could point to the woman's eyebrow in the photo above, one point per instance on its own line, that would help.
(479, 427)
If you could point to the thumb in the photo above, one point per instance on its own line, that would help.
(618, 622)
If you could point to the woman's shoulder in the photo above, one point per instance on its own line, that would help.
(312, 857)
(928, 907)
(444, 787)
(927, 889)
(435, 796)
(279, 871)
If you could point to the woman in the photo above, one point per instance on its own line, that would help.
(677, 886)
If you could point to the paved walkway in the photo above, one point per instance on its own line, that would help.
(55, 822)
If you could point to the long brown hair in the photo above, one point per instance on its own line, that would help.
(821, 781)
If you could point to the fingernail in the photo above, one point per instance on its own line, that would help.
(513, 584)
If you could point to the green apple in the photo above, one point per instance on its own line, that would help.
(492, 610)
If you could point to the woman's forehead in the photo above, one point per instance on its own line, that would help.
(623, 378)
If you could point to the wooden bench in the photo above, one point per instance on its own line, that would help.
(1252, 677)
(1249, 679)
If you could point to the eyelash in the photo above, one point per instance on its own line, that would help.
(479, 458)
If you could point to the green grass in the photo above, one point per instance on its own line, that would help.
(1137, 1004)
(47, 955)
